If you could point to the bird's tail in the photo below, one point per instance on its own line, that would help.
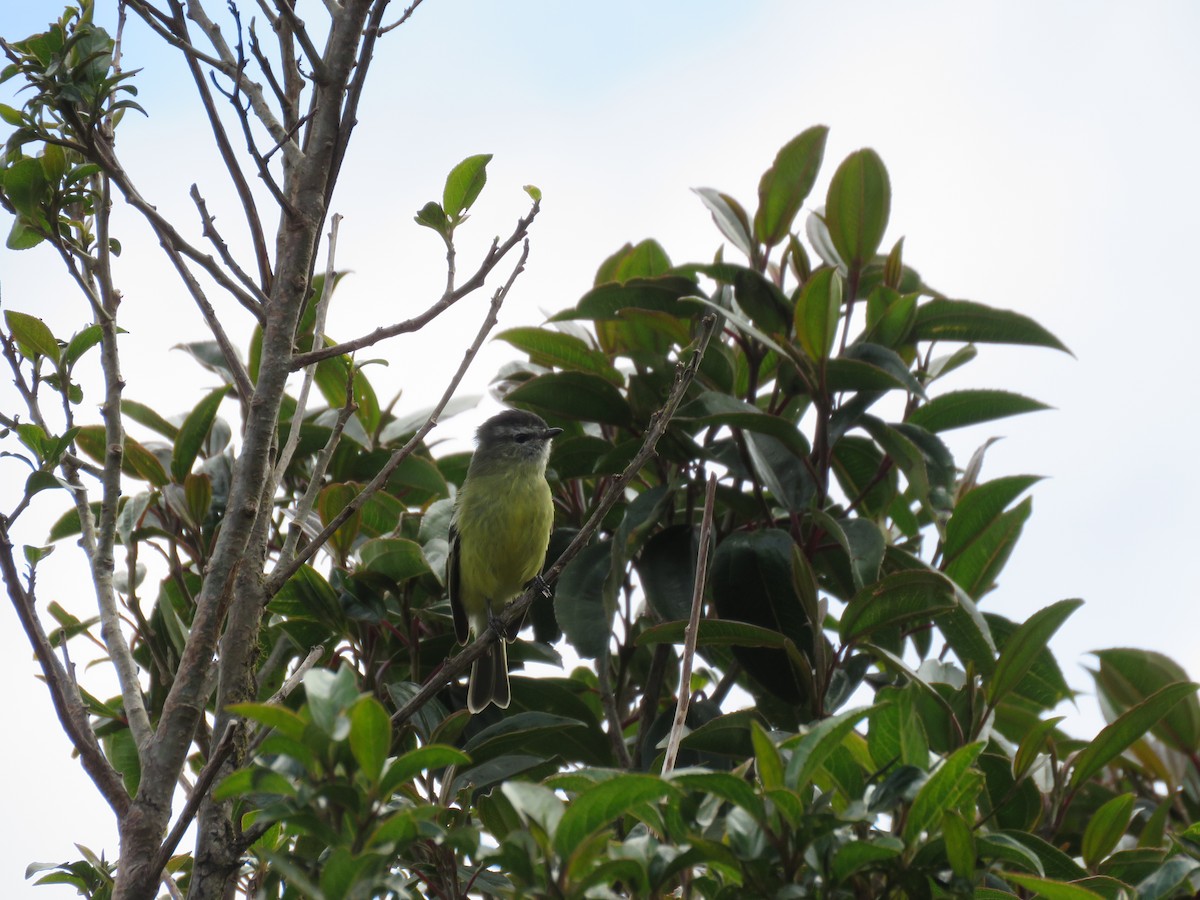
(489, 679)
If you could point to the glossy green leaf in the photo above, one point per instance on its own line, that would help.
(784, 187)
(193, 433)
(854, 856)
(464, 183)
(659, 294)
(282, 719)
(370, 736)
(595, 807)
(977, 566)
(963, 320)
(1128, 675)
(579, 603)
(713, 409)
(666, 568)
(1049, 889)
(958, 409)
(1105, 827)
(978, 509)
(729, 217)
(728, 787)
(144, 415)
(900, 597)
(810, 751)
(818, 310)
(954, 783)
(713, 632)
(758, 297)
(32, 335)
(896, 735)
(766, 758)
(399, 559)
(330, 695)
(960, 843)
(431, 215)
(1024, 645)
(573, 395)
(1168, 879)
(1131, 726)
(563, 351)
(857, 207)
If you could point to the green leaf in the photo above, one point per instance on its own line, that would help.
(960, 843)
(193, 432)
(765, 304)
(666, 568)
(857, 207)
(713, 633)
(431, 215)
(144, 415)
(766, 758)
(1022, 648)
(24, 184)
(399, 559)
(579, 600)
(80, 343)
(963, 320)
(404, 768)
(282, 719)
(713, 408)
(975, 568)
(329, 697)
(728, 787)
(145, 464)
(595, 807)
(1132, 726)
(1127, 675)
(370, 736)
(900, 597)
(563, 351)
(784, 187)
(662, 293)
(729, 217)
(896, 734)
(952, 785)
(32, 335)
(1105, 827)
(1167, 879)
(958, 409)
(979, 509)
(464, 183)
(810, 751)
(533, 732)
(818, 309)
(577, 396)
(1051, 890)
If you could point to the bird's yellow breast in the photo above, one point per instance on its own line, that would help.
(503, 523)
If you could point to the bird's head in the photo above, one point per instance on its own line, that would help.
(514, 436)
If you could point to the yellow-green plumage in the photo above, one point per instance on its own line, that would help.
(498, 538)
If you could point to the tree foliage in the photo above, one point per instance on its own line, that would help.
(856, 718)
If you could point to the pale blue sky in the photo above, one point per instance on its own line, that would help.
(1042, 158)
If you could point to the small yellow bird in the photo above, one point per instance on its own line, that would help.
(498, 539)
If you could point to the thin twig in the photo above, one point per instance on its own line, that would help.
(284, 571)
(293, 439)
(616, 734)
(693, 628)
(494, 256)
(403, 18)
(63, 692)
(515, 611)
(214, 238)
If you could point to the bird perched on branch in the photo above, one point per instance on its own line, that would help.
(498, 539)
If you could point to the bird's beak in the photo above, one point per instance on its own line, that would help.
(551, 433)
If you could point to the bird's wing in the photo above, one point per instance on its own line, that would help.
(454, 586)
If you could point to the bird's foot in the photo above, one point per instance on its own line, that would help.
(538, 583)
(496, 624)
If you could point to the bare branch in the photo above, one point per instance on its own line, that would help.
(65, 695)
(214, 237)
(298, 28)
(403, 18)
(690, 635)
(293, 440)
(491, 259)
(515, 611)
(284, 571)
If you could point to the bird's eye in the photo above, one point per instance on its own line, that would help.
(522, 436)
